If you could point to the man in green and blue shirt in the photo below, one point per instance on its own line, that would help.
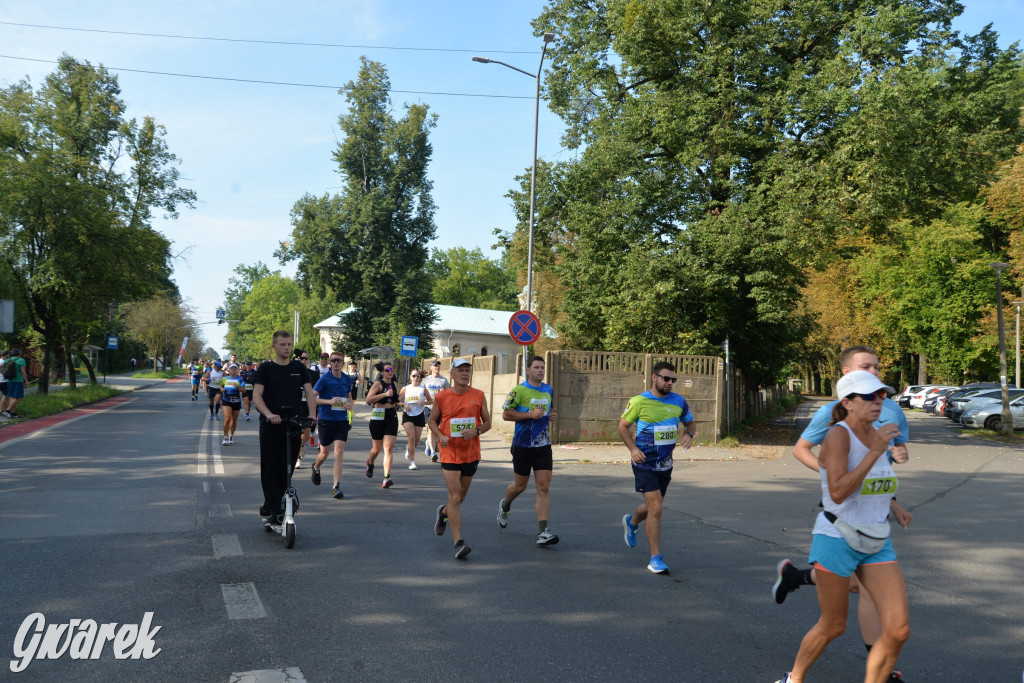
(658, 414)
(529, 406)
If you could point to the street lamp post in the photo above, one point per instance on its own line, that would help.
(1005, 419)
(548, 37)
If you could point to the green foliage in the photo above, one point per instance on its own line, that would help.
(80, 183)
(464, 277)
(369, 243)
(36, 404)
(725, 147)
(159, 324)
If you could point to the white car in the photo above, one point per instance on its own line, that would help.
(917, 399)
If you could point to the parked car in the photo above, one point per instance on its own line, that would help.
(904, 398)
(983, 400)
(990, 416)
(960, 404)
(917, 399)
(957, 399)
(931, 402)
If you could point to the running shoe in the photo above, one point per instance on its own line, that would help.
(547, 537)
(14, 416)
(298, 463)
(386, 484)
(427, 451)
(211, 417)
(785, 678)
(627, 524)
(407, 455)
(503, 515)
(441, 524)
(5, 413)
(895, 675)
(658, 565)
(433, 457)
(336, 491)
(412, 465)
(461, 550)
(225, 442)
(247, 418)
(193, 398)
(369, 470)
(786, 581)
(231, 439)
(315, 477)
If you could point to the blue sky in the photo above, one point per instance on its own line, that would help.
(251, 150)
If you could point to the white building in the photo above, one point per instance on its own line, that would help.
(457, 331)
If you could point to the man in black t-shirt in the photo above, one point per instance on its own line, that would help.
(278, 385)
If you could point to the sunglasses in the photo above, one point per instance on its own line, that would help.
(414, 376)
(337, 360)
(668, 379)
(303, 357)
(389, 369)
(869, 397)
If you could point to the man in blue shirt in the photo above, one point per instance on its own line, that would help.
(334, 400)
(658, 414)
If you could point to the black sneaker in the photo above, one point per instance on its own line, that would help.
(14, 416)
(315, 477)
(369, 469)
(786, 583)
(896, 676)
(387, 483)
(461, 550)
(336, 491)
(441, 525)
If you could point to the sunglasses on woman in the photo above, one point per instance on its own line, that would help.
(870, 397)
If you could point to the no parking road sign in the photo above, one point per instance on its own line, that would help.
(524, 327)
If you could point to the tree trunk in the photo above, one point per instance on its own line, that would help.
(69, 363)
(88, 366)
(922, 370)
(44, 377)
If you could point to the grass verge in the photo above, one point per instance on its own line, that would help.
(160, 374)
(765, 431)
(41, 405)
(987, 434)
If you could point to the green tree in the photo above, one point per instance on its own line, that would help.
(240, 285)
(269, 306)
(464, 277)
(160, 324)
(368, 244)
(78, 187)
(726, 146)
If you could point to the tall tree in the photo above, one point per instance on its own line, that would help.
(369, 243)
(726, 145)
(465, 277)
(78, 187)
(160, 324)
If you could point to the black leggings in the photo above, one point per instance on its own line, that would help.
(273, 461)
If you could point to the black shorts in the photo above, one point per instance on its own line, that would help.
(386, 427)
(211, 392)
(234, 405)
(3, 388)
(418, 420)
(468, 469)
(332, 430)
(525, 459)
(649, 480)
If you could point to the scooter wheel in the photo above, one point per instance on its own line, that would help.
(289, 536)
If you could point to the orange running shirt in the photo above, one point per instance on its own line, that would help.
(465, 410)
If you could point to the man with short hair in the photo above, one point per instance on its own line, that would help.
(459, 417)
(789, 578)
(657, 414)
(15, 385)
(334, 400)
(325, 365)
(434, 383)
(529, 406)
(279, 382)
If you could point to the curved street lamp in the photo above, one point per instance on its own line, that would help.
(548, 37)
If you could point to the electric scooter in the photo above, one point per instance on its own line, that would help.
(290, 501)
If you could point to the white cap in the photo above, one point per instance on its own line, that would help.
(459, 362)
(860, 382)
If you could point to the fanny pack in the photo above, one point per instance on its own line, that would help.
(864, 538)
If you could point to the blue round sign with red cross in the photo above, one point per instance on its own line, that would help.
(524, 327)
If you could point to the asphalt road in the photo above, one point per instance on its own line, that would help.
(124, 512)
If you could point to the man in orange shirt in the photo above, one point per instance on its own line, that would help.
(458, 419)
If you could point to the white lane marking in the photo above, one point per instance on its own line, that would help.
(218, 487)
(201, 465)
(220, 510)
(206, 487)
(218, 464)
(45, 430)
(292, 675)
(242, 601)
(226, 545)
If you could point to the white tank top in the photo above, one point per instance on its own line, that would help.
(414, 400)
(869, 505)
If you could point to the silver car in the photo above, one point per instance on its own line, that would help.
(989, 416)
